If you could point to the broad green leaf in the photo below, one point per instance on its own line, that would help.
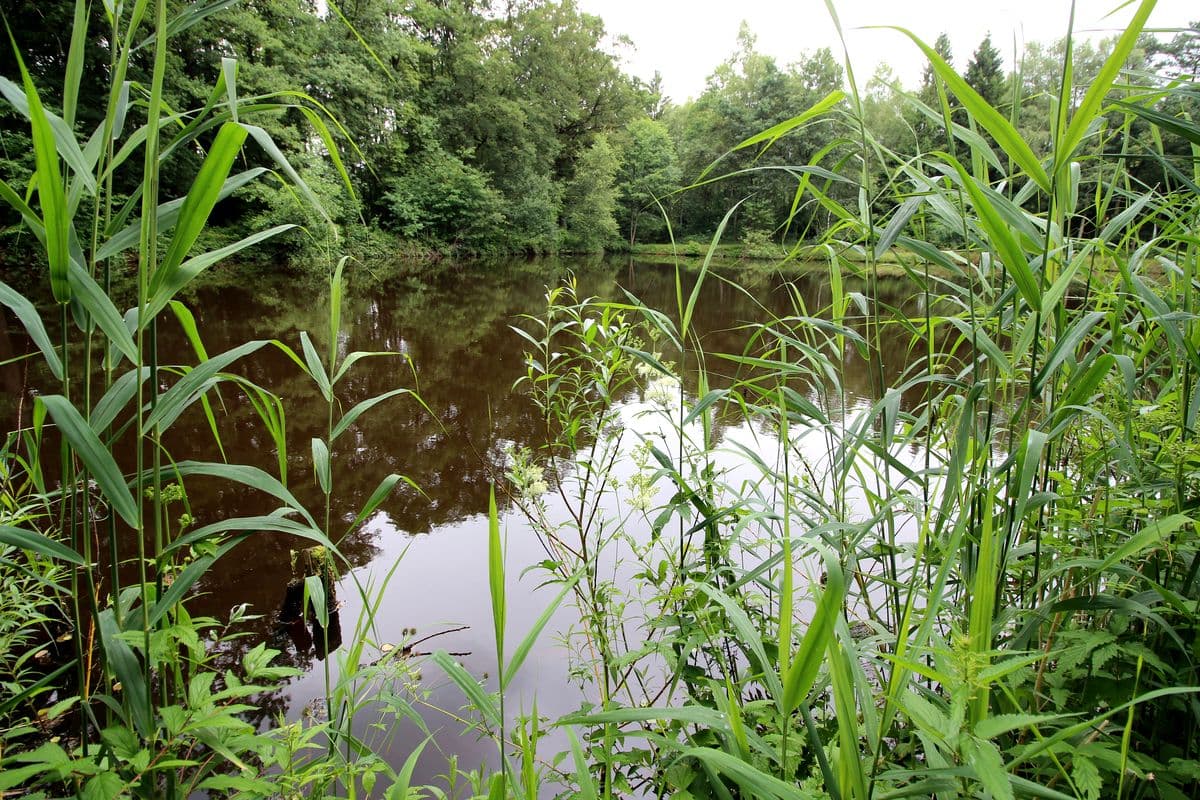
(522, 651)
(1000, 724)
(64, 137)
(229, 69)
(128, 670)
(51, 194)
(201, 197)
(988, 118)
(1066, 346)
(246, 475)
(100, 307)
(95, 457)
(314, 588)
(353, 358)
(29, 318)
(496, 576)
(168, 215)
(189, 269)
(985, 759)
(40, 544)
(1146, 538)
(172, 402)
(74, 72)
(1092, 101)
(184, 581)
(748, 637)
(191, 14)
(359, 409)
(753, 781)
(481, 701)
(1001, 237)
(268, 145)
(583, 773)
(316, 369)
(320, 455)
(772, 134)
(105, 412)
(377, 497)
(804, 668)
(257, 525)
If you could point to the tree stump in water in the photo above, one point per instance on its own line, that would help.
(312, 562)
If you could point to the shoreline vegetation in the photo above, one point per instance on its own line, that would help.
(983, 582)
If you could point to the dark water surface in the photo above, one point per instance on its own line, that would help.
(458, 352)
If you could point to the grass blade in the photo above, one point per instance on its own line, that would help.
(95, 457)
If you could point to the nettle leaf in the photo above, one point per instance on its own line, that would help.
(1086, 778)
(984, 757)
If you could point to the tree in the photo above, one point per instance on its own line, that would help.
(985, 72)
(928, 123)
(928, 92)
(590, 200)
(649, 171)
(440, 198)
(747, 94)
(1180, 57)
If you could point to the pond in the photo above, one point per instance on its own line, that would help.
(456, 350)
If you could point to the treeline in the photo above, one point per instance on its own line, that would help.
(481, 126)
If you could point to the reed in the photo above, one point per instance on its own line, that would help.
(1006, 616)
(1010, 613)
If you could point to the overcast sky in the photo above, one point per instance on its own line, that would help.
(686, 39)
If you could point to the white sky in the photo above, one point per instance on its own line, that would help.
(685, 40)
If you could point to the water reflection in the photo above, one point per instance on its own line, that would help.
(452, 344)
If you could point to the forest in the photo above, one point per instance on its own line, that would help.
(486, 128)
(900, 507)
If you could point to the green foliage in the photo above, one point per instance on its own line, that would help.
(985, 72)
(590, 200)
(443, 199)
(981, 581)
(648, 175)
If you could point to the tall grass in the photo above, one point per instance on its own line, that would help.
(154, 716)
(812, 613)
(1009, 614)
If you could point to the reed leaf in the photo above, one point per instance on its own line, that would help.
(802, 673)
(991, 120)
(92, 298)
(128, 670)
(246, 475)
(28, 316)
(168, 215)
(51, 194)
(360, 408)
(74, 71)
(95, 457)
(1001, 237)
(186, 390)
(38, 543)
(60, 133)
(1093, 100)
(774, 133)
(320, 456)
(496, 588)
(480, 700)
(526, 644)
(200, 200)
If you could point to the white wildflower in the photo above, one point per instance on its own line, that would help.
(662, 390)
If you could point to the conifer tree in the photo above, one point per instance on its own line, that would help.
(985, 72)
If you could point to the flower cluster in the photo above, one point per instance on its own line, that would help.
(525, 474)
(641, 482)
(661, 388)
